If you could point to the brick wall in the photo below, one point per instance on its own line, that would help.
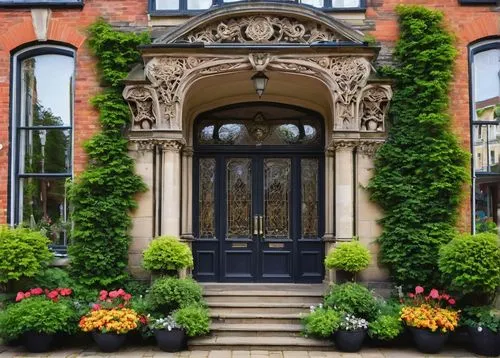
(66, 26)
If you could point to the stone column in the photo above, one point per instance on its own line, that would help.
(344, 190)
(143, 217)
(171, 187)
(329, 237)
(187, 194)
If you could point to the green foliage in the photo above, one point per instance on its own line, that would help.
(37, 314)
(470, 264)
(140, 305)
(194, 319)
(23, 253)
(103, 194)
(481, 317)
(136, 287)
(321, 323)
(385, 327)
(352, 298)
(167, 254)
(421, 168)
(169, 293)
(348, 256)
(486, 225)
(52, 277)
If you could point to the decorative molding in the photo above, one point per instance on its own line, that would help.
(170, 145)
(259, 129)
(343, 145)
(144, 105)
(187, 151)
(259, 61)
(143, 145)
(149, 144)
(262, 29)
(369, 147)
(373, 106)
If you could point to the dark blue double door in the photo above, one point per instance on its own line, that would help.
(258, 218)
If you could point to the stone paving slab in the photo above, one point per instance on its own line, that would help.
(153, 352)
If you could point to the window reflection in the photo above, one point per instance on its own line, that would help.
(198, 4)
(486, 134)
(167, 4)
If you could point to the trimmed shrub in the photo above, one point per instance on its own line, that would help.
(348, 256)
(23, 253)
(321, 322)
(168, 294)
(167, 253)
(352, 298)
(194, 319)
(470, 264)
(385, 327)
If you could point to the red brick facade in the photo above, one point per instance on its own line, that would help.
(67, 26)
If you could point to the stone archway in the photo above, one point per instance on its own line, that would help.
(284, 38)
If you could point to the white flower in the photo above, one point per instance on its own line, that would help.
(479, 329)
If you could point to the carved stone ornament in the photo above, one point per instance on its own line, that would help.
(143, 103)
(143, 145)
(259, 61)
(262, 29)
(373, 107)
(342, 145)
(369, 147)
(259, 129)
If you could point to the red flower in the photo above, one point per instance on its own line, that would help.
(127, 297)
(121, 292)
(36, 291)
(53, 294)
(96, 307)
(113, 294)
(143, 320)
(434, 293)
(103, 295)
(445, 296)
(411, 295)
(65, 291)
(451, 301)
(419, 289)
(20, 296)
(27, 295)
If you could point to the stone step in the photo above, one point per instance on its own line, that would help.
(247, 298)
(254, 309)
(263, 290)
(256, 330)
(242, 342)
(255, 318)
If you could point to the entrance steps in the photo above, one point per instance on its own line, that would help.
(259, 316)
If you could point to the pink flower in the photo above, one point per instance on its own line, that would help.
(451, 301)
(20, 296)
(411, 295)
(36, 291)
(127, 297)
(53, 294)
(121, 292)
(103, 295)
(96, 307)
(113, 294)
(419, 289)
(445, 296)
(65, 291)
(27, 295)
(434, 293)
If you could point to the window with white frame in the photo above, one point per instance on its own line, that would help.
(485, 119)
(42, 138)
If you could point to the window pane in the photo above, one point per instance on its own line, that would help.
(316, 3)
(345, 3)
(44, 151)
(309, 194)
(46, 94)
(198, 4)
(167, 4)
(207, 198)
(43, 205)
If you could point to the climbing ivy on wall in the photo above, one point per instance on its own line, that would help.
(421, 170)
(103, 195)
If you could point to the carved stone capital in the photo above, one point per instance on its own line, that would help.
(144, 105)
(369, 147)
(143, 145)
(343, 145)
(187, 151)
(170, 145)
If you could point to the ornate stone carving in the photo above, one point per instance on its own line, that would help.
(143, 103)
(262, 29)
(349, 75)
(373, 107)
(369, 147)
(170, 145)
(259, 129)
(143, 145)
(340, 145)
(148, 144)
(259, 61)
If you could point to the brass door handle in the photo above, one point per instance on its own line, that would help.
(256, 224)
(261, 225)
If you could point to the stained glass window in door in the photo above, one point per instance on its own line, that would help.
(309, 195)
(239, 197)
(207, 198)
(277, 197)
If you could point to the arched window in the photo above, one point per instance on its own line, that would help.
(42, 138)
(485, 133)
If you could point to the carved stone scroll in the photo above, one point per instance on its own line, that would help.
(262, 29)
(373, 106)
(143, 103)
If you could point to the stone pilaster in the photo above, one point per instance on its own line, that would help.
(187, 194)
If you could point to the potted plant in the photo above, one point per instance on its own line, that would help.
(36, 317)
(321, 322)
(166, 256)
(348, 258)
(170, 337)
(352, 298)
(428, 322)
(484, 329)
(110, 320)
(351, 333)
(385, 329)
(169, 293)
(193, 319)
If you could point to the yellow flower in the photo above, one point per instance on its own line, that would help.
(118, 320)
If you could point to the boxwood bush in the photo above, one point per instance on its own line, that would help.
(321, 322)
(194, 319)
(169, 293)
(348, 256)
(352, 298)
(167, 253)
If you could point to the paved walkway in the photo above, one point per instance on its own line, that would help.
(152, 352)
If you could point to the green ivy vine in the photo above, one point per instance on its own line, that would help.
(421, 170)
(103, 195)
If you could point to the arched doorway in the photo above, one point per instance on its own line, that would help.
(258, 194)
